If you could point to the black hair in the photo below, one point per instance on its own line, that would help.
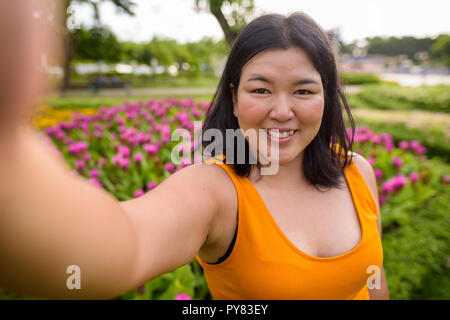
(322, 165)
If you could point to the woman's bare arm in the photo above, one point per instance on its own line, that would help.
(50, 220)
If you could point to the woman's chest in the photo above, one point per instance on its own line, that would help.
(319, 224)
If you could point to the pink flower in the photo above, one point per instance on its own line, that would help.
(413, 176)
(183, 296)
(376, 140)
(78, 147)
(169, 166)
(138, 193)
(387, 187)
(124, 162)
(399, 181)
(383, 200)
(151, 185)
(150, 148)
(185, 162)
(446, 179)
(95, 182)
(79, 164)
(87, 156)
(403, 145)
(378, 174)
(93, 173)
(138, 157)
(397, 161)
(124, 151)
(371, 161)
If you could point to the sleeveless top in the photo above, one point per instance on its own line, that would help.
(265, 265)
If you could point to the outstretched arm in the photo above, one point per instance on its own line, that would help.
(50, 220)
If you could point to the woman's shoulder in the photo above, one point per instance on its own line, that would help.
(367, 172)
(217, 176)
(225, 194)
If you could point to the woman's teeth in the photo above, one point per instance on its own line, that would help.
(278, 134)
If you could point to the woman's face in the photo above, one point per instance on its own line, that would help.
(280, 88)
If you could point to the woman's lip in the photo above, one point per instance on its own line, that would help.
(282, 140)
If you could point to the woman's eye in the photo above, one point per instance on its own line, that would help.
(260, 91)
(302, 92)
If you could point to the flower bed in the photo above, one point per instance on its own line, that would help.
(126, 150)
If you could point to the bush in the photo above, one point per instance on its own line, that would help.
(389, 97)
(359, 78)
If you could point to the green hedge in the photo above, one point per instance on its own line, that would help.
(359, 78)
(392, 97)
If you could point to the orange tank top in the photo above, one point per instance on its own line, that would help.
(265, 265)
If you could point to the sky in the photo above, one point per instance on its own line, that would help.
(356, 19)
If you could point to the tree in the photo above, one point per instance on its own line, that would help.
(124, 6)
(96, 43)
(239, 11)
(441, 49)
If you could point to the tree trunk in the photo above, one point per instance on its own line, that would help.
(68, 50)
(230, 36)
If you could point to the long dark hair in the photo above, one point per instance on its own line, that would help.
(322, 165)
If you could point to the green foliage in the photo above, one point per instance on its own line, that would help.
(359, 78)
(437, 48)
(441, 49)
(97, 43)
(388, 97)
(394, 46)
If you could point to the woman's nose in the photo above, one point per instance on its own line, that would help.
(282, 108)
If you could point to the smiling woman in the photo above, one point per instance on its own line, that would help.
(271, 237)
(280, 236)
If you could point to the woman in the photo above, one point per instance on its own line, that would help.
(51, 220)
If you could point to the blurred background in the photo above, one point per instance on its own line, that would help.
(133, 71)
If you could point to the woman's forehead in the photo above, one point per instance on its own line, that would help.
(274, 62)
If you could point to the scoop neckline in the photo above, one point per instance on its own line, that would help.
(292, 245)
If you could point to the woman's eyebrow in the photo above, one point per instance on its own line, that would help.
(264, 79)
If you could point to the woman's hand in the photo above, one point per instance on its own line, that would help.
(28, 36)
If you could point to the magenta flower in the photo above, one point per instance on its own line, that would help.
(93, 173)
(124, 151)
(95, 182)
(78, 147)
(185, 162)
(371, 161)
(387, 187)
(138, 193)
(124, 162)
(87, 156)
(413, 176)
(446, 178)
(79, 164)
(404, 145)
(150, 148)
(138, 157)
(183, 296)
(397, 161)
(151, 185)
(378, 174)
(376, 140)
(383, 200)
(169, 166)
(399, 181)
